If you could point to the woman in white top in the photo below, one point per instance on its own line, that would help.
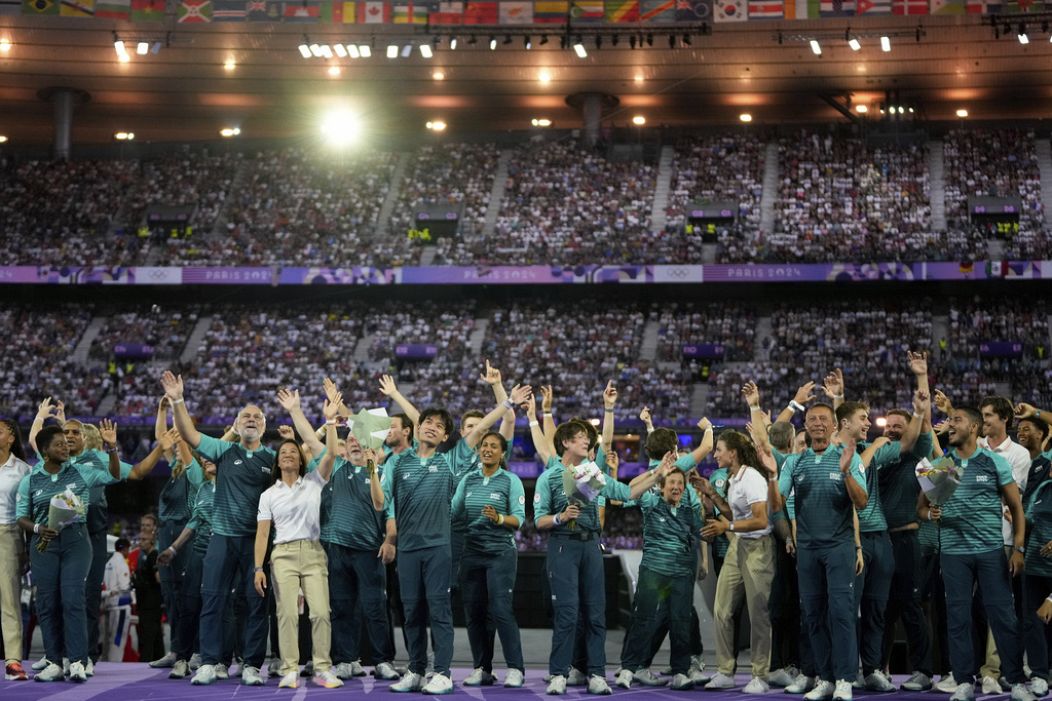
(749, 566)
(293, 507)
(13, 468)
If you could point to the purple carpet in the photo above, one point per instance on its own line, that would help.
(137, 682)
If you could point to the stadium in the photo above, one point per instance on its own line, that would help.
(572, 250)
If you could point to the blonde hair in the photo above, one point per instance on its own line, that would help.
(92, 437)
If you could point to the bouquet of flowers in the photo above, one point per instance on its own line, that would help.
(582, 484)
(938, 480)
(63, 510)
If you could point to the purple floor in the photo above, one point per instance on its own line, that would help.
(137, 682)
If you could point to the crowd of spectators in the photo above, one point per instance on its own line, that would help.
(731, 325)
(719, 167)
(198, 181)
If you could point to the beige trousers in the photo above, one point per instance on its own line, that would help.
(12, 543)
(748, 571)
(298, 565)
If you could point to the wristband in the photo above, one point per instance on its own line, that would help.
(608, 411)
(177, 401)
(114, 449)
(929, 513)
(858, 547)
(918, 416)
(548, 413)
(796, 406)
(173, 549)
(259, 569)
(534, 423)
(556, 521)
(500, 520)
(1037, 413)
(731, 527)
(1049, 598)
(330, 422)
(838, 396)
(1021, 551)
(36, 528)
(507, 404)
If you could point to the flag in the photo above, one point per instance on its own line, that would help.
(77, 8)
(657, 11)
(693, 10)
(947, 7)
(874, 7)
(550, 11)
(301, 11)
(585, 11)
(343, 12)
(766, 9)
(147, 10)
(262, 10)
(39, 7)
(731, 11)
(374, 12)
(516, 12)
(618, 11)
(408, 12)
(229, 10)
(480, 13)
(447, 13)
(1023, 6)
(802, 9)
(837, 8)
(113, 9)
(909, 7)
(195, 11)
(983, 7)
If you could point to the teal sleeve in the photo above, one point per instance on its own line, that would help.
(1004, 470)
(195, 474)
(922, 448)
(856, 472)
(386, 484)
(316, 460)
(648, 500)
(685, 462)
(785, 478)
(194, 523)
(517, 499)
(458, 499)
(616, 490)
(779, 457)
(542, 498)
(213, 448)
(600, 460)
(886, 455)
(461, 457)
(22, 499)
(99, 478)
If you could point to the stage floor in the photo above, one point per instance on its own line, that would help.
(137, 682)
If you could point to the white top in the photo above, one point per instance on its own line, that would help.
(11, 473)
(117, 580)
(746, 488)
(1019, 458)
(296, 510)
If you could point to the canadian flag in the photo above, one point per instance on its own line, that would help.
(375, 12)
(731, 11)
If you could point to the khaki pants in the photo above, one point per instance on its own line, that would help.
(298, 565)
(748, 571)
(12, 544)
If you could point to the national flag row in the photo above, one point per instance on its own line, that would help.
(507, 12)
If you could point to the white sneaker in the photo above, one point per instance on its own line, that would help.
(648, 678)
(720, 681)
(822, 692)
(514, 679)
(756, 686)
(206, 674)
(624, 679)
(439, 684)
(289, 681)
(843, 690)
(273, 667)
(308, 669)
(385, 671)
(180, 670)
(918, 681)
(165, 662)
(557, 686)
(195, 661)
(250, 676)
(963, 692)
(89, 668)
(878, 682)
(597, 685)
(51, 673)
(342, 670)
(681, 682)
(991, 686)
(697, 673)
(40, 664)
(479, 677)
(1021, 693)
(947, 685)
(801, 685)
(65, 666)
(77, 673)
(222, 671)
(576, 678)
(1038, 686)
(326, 679)
(410, 681)
(356, 669)
(782, 677)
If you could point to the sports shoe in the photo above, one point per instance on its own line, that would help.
(681, 682)
(439, 684)
(756, 686)
(164, 662)
(648, 678)
(289, 681)
(410, 681)
(356, 669)
(782, 677)
(180, 670)
(878, 682)
(963, 692)
(991, 686)
(13, 672)
(342, 670)
(40, 664)
(801, 685)
(273, 667)
(514, 679)
(250, 676)
(195, 661)
(822, 692)
(89, 668)
(77, 673)
(576, 678)
(385, 671)
(842, 691)
(206, 674)
(697, 673)
(51, 673)
(557, 686)
(236, 667)
(597, 685)
(222, 671)
(947, 685)
(720, 681)
(1038, 686)
(918, 681)
(1021, 693)
(624, 679)
(327, 679)
(65, 666)
(308, 669)
(479, 677)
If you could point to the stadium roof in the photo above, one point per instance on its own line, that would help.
(184, 93)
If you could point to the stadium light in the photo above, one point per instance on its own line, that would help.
(578, 48)
(885, 44)
(745, 117)
(881, 421)
(1022, 36)
(124, 136)
(407, 50)
(229, 132)
(855, 44)
(861, 109)
(326, 51)
(353, 52)
(3, 139)
(142, 48)
(425, 50)
(962, 113)
(544, 77)
(5, 45)
(229, 65)
(438, 75)
(493, 43)
(437, 125)
(304, 50)
(816, 48)
(639, 120)
(339, 50)
(334, 71)
(392, 51)
(541, 122)
(365, 50)
(341, 128)
(315, 50)
(453, 43)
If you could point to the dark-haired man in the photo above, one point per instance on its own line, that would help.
(972, 554)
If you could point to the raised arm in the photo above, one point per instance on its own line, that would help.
(46, 410)
(160, 423)
(1022, 411)
(650, 477)
(519, 394)
(834, 387)
(541, 442)
(492, 377)
(108, 431)
(173, 389)
(942, 402)
(705, 447)
(388, 388)
(547, 417)
(145, 466)
(606, 439)
(290, 402)
(804, 394)
(331, 410)
(921, 410)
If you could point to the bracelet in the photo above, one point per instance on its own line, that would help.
(1037, 413)
(731, 527)
(556, 521)
(608, 411)
(174, 550)
(858, 547)
(177, 401)
(548, 413)
(534, 423)
(838, 396)
(929, 513)
(918, 416)
(796, 406)
(500, 519)
(330, 422)
(507, 404)
(114, 449)
(259, 569)
(36, 528)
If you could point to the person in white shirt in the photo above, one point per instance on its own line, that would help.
(293, 508)
(117, 601)
(748, 569)
(13, 468)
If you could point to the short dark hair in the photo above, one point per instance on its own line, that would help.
(661, 441)
(780, 434)
(121, 544)
(661, 479)
(567, 431)
(973, 414)
(406, 423)
(820, 405)
(472, 414)
(46, 435)
(901, 412)
(848, 409)
(593, 434)
(1001, 406)
(443, 416)
(1039, 425)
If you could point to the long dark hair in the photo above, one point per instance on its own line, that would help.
(743, 446)
(503, 447)
(17, 449)
(275, 470)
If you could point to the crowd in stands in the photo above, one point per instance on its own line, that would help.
(720, 167)
(199, 181)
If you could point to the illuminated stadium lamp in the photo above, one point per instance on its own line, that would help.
(527, 43)
(392, 51)
(493, 43)
(1022, 36)
(453, 43)
(326, 51)
(816, 48)
(639, 78)
(3, 139)
(229, 132)
(861, 109)
(578, 48)
(437, 125)
(407, 51)
(229, 65)
(365, 50)
(124, 57)
(425, 50)
(962, 113)
(304, 50)
(334, 71)
(142, 48)
(745, 117)
(881, 421)
(124, 136)
(541, 122)
(639, 120)
(544, 77)
(855, 44)
(438, 75)
(315, 50)
(5, 45)
(341, 128)
(885, 44)
(353, 51)
(118, 46)
(594, 422)
(339, 50)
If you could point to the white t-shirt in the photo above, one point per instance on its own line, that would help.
(746, 488)
(117, 581)
(1019, 458)
(295, 511)
(11, 474)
